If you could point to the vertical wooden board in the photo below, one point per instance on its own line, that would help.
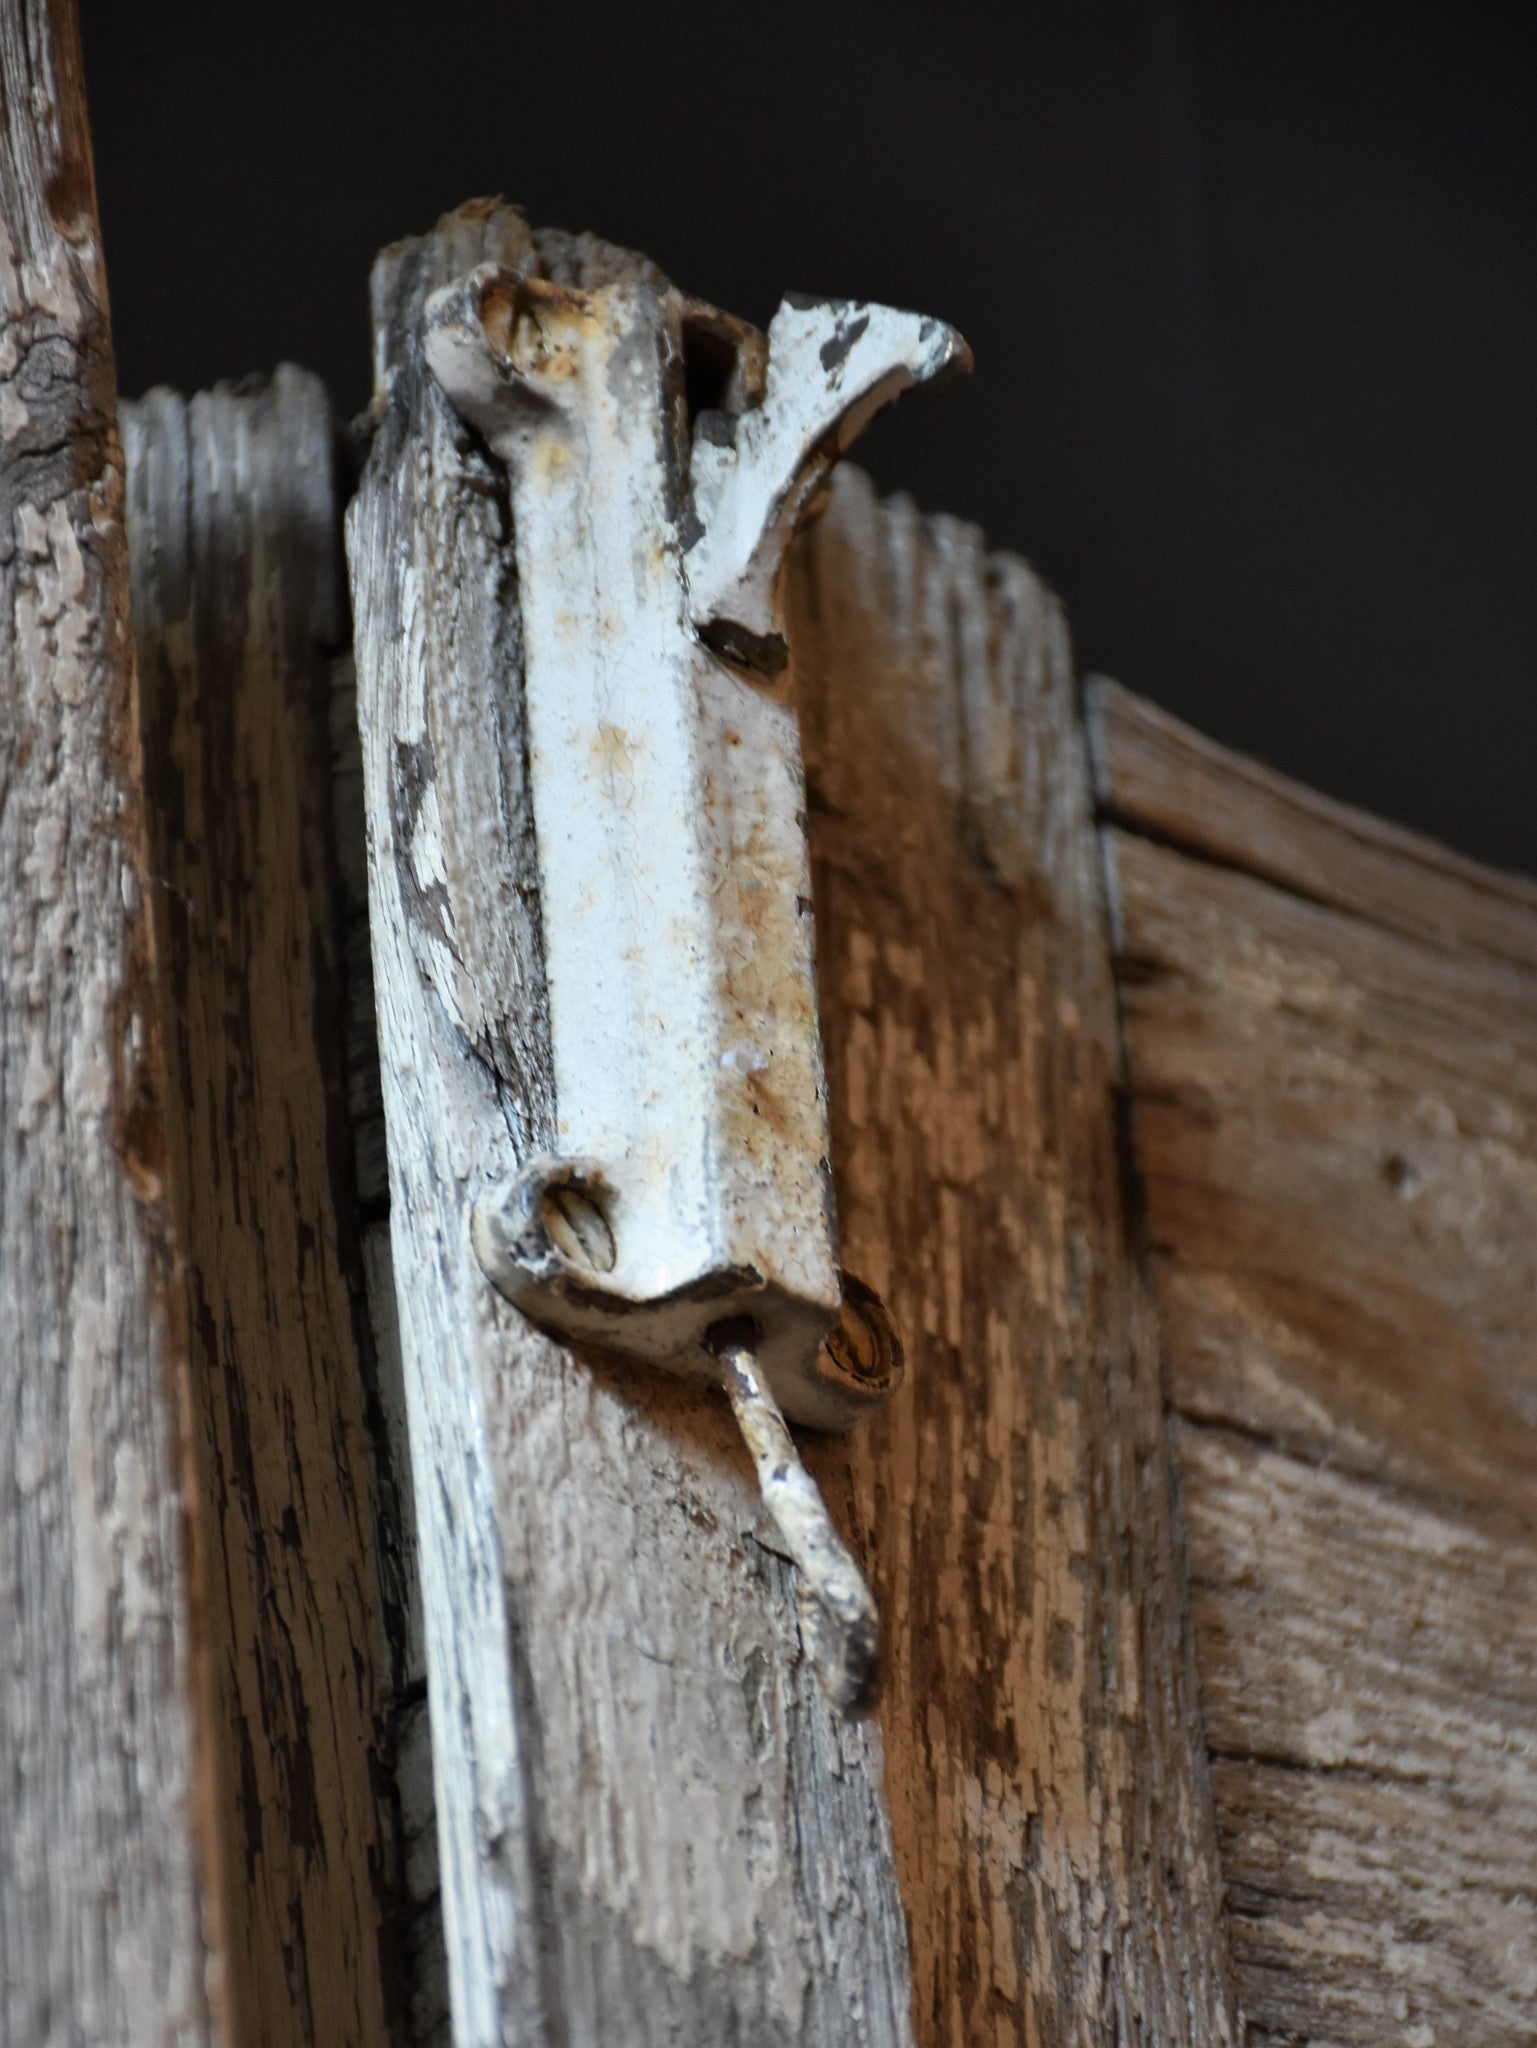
(235, 545)
(102, 1921)
(1331, 1047)
(1045, 1771)
(650, 1827)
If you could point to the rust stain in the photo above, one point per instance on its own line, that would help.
(613, 750)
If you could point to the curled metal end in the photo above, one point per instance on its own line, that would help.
(839, 1623)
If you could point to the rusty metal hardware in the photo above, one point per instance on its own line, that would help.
(660, 457)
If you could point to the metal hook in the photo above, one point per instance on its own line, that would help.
(839, 1623)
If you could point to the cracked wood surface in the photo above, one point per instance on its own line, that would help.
(102, 1922)
(651, 1827)
(233, 530)
(1331, 1029)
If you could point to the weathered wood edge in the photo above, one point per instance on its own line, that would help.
(420, 1929)
(489, 1899)
(1165, 780)
(234, 533)
(106, 1934)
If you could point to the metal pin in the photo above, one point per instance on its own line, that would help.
(839, 1623)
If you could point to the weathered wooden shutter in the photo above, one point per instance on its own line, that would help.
(1185, 1121)
(651, 1823)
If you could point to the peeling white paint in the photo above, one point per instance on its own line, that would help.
(669, 802)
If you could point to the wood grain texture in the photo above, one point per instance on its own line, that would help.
(651, 1829)
(1044, 1764)
(1334, 1096)
(102, 1922)
(1370, 1667)
(234, 539)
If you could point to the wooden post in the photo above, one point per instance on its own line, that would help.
(105, 1934)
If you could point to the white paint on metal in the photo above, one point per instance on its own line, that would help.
(832, 365)
(691, 1184)
(839, 1623)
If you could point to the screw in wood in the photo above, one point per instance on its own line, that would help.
(575, 1223)
(839, 1623)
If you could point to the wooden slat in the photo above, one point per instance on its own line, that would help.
(1043, 1756)
(652, 1829)
(1336, 1128)
(1335, 1125)
(234, 529)
(102, 1919)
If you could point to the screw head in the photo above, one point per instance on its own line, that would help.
(863, 1348)
(575, 1223)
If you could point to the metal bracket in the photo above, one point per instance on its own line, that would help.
(660, 457)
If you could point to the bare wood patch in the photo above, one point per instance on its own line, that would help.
(1336, 1130)
(1370, 1667)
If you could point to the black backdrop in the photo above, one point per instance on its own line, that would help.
(1251, 290)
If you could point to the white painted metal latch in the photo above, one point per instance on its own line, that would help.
(660, 457)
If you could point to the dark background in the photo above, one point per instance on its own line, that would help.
(1251, 290)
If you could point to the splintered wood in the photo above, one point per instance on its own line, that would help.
(1332, 1039)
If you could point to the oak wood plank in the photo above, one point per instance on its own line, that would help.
(1045, 1769)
